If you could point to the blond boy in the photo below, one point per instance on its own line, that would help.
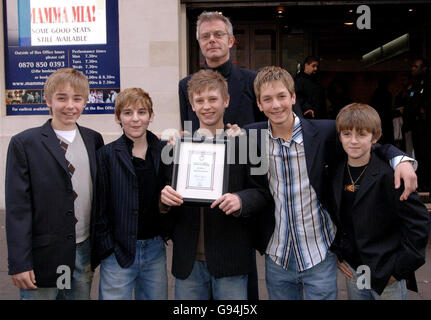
(50, 182)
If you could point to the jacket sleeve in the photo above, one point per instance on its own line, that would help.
(104, 237)
(99, 141)
(184, 105)
(388, 151)
(415, 226)
(167, 215)
(256, 197)
(19, 209)
(304, 96)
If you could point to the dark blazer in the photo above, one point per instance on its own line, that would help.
(228, 239)
(391, 235)
(322, 148)
(40, 220)
(118, 198)
(242, 107)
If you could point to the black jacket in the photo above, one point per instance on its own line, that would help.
(229, 240)
(391, 235)
(40, 220)
(310, 95)
(118, 199)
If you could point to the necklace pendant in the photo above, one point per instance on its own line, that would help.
(350, 188)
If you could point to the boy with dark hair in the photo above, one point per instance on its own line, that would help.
(375, 228)
(50, 183)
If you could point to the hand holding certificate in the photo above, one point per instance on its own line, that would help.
(229, 203)
(200, 171)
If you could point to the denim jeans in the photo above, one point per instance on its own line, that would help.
(396, 291)
(200, 285)
(147, 276)
(80, 283)
(316, 283)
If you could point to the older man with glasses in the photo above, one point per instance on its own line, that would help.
(215, 36)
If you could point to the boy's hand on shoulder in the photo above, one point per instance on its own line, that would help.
(405, 171)
(170, 197)
(228, 203)
(234, 130)
(172, 140)
(24, 280)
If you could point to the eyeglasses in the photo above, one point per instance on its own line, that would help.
(207, 35)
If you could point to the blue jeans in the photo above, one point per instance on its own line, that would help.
(80, 283)
(147, 275)
(200, 284)
(396, 291)
(316, 283)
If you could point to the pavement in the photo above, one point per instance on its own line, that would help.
(9, 292)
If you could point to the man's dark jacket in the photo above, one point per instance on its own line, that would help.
(310, 95)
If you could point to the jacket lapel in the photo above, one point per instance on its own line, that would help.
(337, 185)
(311, 146)
(90, 146)
(154, 143)
(51, 142)
(124, 155)
(368, 180)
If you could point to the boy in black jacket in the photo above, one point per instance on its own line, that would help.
(377, 233)
(129, 227)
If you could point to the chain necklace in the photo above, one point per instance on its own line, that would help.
(352, 187)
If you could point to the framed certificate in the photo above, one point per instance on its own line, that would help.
(200, 170)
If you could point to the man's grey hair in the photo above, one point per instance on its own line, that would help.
(213, 15)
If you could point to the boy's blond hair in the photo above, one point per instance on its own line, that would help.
(211, 16)
(66, 76)
(271, 74)
(135, 97)
(359, 116)
(207, 79)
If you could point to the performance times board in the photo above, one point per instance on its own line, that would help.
(45, 35)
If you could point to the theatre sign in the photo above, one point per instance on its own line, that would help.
(42, 36)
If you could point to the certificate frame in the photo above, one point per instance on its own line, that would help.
(200, 171)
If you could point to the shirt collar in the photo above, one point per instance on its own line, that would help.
(151, 140)
(296, 135)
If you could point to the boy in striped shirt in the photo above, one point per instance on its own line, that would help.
(297, 236)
